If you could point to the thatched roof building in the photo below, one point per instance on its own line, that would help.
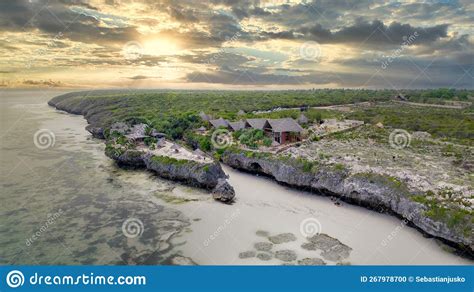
(257, 123)
(239, 125)
(284, 125)
(204, 116)
(220, 122)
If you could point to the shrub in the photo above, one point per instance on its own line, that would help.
(251, 137)
(267, 142)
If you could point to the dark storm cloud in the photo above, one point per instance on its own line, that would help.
(182, 14)
(141, 77)
(374, 33)
(411, 78)
(220, 59)
(245, 77)
(54, 17)
(309, 21)
(262, 76)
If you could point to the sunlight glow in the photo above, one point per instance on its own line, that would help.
(160, 47)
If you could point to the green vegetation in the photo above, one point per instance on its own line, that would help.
(113, 151)
(363, 132)
(439, 95)
(252, 154)
(300, 163)
(313, 115)
(170, 160)
(307, 166)
(194, 140)
(386, 180)
(150, 142)
(339, 167)
(252, 138)
(180, 162)
(175, 113)
(458, 153)
(446, 212)
(448, 124)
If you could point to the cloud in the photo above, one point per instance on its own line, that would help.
(141, 77)
(376, 32)
(363, 33)
(241, 42)
(222, 58)
(54, 17)
(43, 83)
(250, 77)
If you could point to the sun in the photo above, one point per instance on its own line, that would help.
(161, 46)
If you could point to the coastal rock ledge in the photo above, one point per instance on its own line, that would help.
(203, 175)
(372, 192)
(207, 175)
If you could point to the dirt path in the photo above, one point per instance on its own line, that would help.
(433, 105)
(335, 107)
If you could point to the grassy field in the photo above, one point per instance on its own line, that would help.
(176, 112)
(447, 124)
(173, 112)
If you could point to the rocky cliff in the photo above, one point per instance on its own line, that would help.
(368, 190)
(85, 107)
(204, 175)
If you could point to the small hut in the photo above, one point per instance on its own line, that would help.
(201, 130)
(119, 127)
(239, 125)
(205, 117)
(138, 133)
(155, 134)
(220, 122)
(256, 123)
(401, 97)
(241, 113)
(303, 120)
(284, 130)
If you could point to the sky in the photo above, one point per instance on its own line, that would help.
(236, 44)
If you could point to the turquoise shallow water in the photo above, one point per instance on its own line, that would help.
(67, 203)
